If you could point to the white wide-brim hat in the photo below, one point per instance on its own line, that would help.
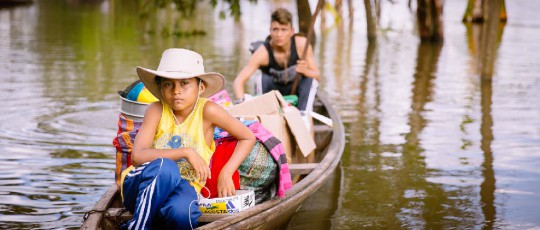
(180, 64)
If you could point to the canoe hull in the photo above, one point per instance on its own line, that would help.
(271, 214)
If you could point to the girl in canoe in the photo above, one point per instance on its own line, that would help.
(177, 135)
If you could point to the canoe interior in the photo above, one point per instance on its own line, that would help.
(308, 177)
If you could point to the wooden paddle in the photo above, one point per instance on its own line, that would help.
(309, 35)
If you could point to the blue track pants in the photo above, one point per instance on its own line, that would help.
(159, 198)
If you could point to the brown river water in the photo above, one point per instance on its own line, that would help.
(430, 145)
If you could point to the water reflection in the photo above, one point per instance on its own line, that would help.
(56, 127)
(318, 210)
(398, 188)
(423, 201)
(487, 37)
(368, 159)
(487, 188)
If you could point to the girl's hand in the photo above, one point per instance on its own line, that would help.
(225, 184)
(201, 169)
(301, 67)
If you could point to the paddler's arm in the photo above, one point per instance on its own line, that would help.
(258, 59)
(306, 66)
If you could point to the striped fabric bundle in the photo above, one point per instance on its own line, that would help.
(123, 142)
(278, 152)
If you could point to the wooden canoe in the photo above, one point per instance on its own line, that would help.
(274, 213)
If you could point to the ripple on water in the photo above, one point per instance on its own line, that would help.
(28, 218)
(49, 192)
(78, 126)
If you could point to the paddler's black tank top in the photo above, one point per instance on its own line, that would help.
(272, 62)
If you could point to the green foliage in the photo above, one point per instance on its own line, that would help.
(178, 33)
(186, 9)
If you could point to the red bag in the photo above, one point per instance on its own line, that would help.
(221, 156)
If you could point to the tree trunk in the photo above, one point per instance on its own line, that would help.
(339, 5)
(467, 16)
(323, 16)
(370, 20)
(377, 10)
(488, 39)
(477, 10)
(304, 16)
(430, 24)
(351, 13)
(503, 17)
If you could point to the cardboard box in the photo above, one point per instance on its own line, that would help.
(277, 125)
(243, 200)
(266, 104)
(282, 120)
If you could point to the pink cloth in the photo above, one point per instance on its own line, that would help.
(275, 147)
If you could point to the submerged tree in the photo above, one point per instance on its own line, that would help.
(186, 9)
(478, 10)
(372, 13)
(304, 15)
(430, 24)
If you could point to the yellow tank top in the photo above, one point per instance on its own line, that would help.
(170, 135)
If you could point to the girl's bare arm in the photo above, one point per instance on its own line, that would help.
(221, 118)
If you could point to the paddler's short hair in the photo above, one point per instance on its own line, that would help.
(282, 16)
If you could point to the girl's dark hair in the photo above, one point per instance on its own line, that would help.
(199, 80)
(158, 80)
